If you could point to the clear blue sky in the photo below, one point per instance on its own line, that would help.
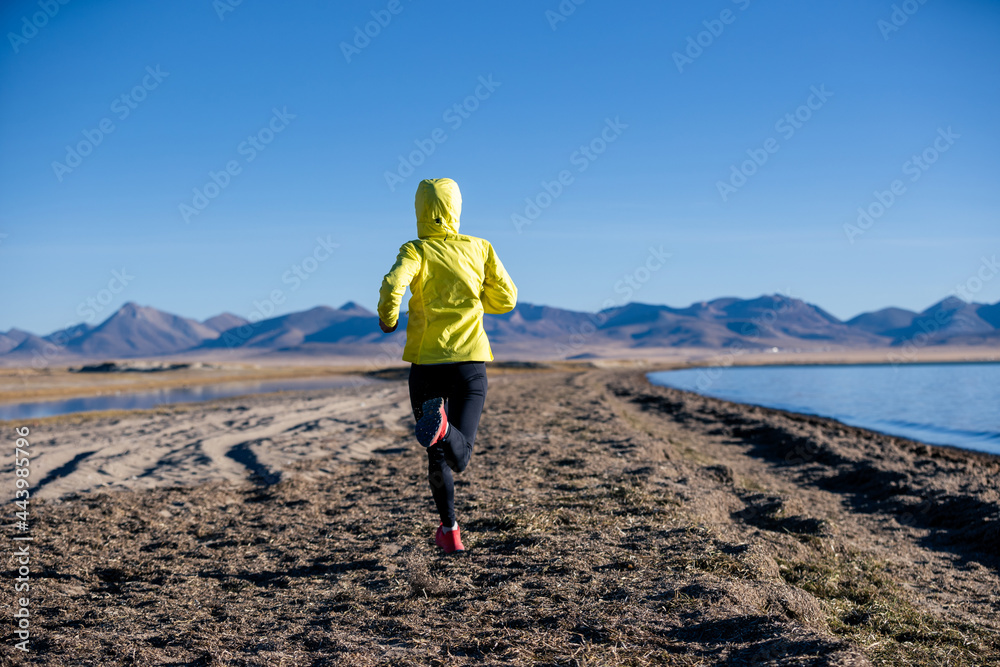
(555, 85)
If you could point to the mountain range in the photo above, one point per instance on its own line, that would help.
(769, 321)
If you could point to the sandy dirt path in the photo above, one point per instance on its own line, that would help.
(263, 436)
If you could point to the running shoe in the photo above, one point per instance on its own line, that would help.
(450, 541)
(433, 422)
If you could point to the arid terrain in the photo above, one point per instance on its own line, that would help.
(607, 521)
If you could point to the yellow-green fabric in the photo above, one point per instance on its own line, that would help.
(453, 279)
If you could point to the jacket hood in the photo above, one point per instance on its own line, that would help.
(439, 207)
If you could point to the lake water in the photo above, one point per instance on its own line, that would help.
(942, 404)
(150, 399)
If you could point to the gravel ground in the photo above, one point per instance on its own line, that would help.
(607, 522)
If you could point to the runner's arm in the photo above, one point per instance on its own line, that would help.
(395, 282)
(499, 293)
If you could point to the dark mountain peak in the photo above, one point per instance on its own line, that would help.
(781, 301)
(353, 308)
(318, 324)
(990, 314)
(526, 311)
(765, 303)
(707, 310)
(949, 303)
(134, 311)
(64, 336)
(890, 312)
(633, 313)
(720, 303)
(17, 335)
(224, 321)
(131, 308)
(530, 312)
(949, 318)
(316, 310)
(32, 344)
(12, 338)
(134, 330)
(633, 306)
(885, 322)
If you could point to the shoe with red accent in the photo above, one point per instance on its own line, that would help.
(450, 541)
(433, 423)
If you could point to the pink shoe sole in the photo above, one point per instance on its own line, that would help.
(433, 423)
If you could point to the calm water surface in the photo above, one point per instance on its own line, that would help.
(150, 399)
(943, 404)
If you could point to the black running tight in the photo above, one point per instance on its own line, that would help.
(463, 386)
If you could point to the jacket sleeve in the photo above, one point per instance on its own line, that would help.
(395, 283)
(499, 293)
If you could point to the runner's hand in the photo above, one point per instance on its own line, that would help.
(386, 329)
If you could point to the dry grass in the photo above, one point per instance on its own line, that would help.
(868, 607)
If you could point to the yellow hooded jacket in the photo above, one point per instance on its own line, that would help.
(453, 280)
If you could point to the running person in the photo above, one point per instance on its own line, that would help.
(453, 280)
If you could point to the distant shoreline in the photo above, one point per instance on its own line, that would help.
(870, 396)
(30, 385)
